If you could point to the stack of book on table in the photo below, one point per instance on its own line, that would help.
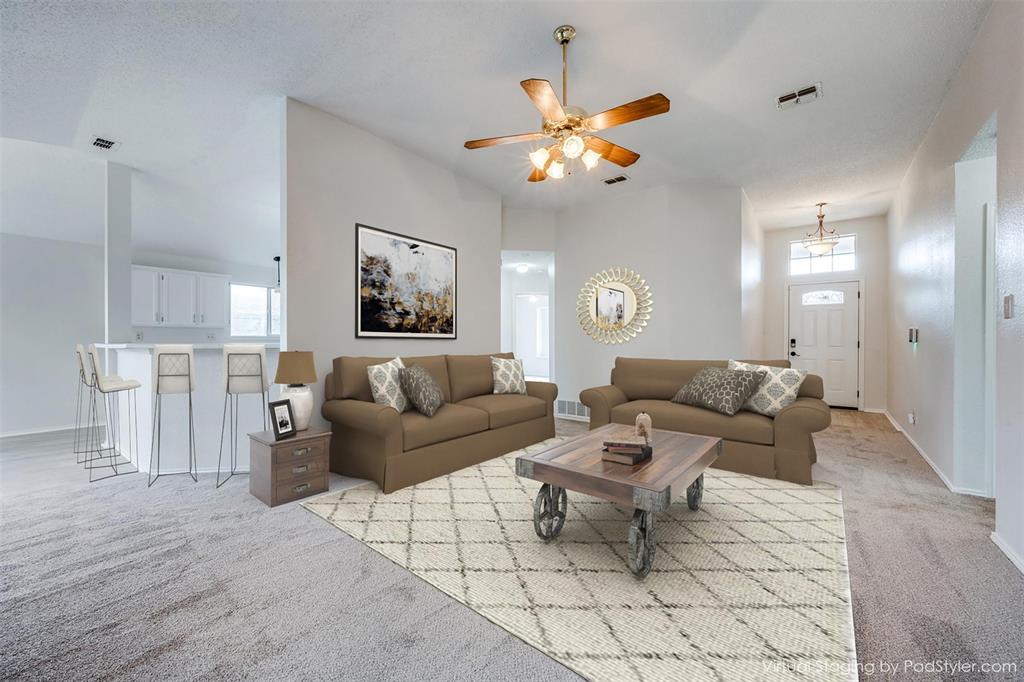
(626, 450)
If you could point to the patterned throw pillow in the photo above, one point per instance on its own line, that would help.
(386, 386)
(719, 389)
(421, 389)
(508, 375)
(779, 388)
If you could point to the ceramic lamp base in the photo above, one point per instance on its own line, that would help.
(301, 398)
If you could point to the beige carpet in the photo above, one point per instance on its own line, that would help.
(752, 586)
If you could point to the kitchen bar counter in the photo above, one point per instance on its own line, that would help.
(135, 361)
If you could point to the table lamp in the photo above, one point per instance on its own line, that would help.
(295, 369)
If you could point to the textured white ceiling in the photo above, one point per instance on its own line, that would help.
(193, 92)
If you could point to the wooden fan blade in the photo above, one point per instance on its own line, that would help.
(505, 139)
(544, 98)
(613, 152)
(537, 175)
(634, 111)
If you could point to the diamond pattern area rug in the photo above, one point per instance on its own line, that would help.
(754, 585)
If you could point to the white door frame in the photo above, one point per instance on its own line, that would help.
(513, 321)
(836, 278)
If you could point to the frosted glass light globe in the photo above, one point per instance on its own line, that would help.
(573, 146)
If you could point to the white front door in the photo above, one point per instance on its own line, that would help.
(824, 331)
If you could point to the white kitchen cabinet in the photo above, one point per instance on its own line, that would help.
(213, 300)
(179, 298)
(145, 297)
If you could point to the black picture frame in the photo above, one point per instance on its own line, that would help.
(284, 427)
(362, 329)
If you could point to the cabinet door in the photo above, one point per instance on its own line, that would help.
(180, 299)
(145, 298)
(213, 301)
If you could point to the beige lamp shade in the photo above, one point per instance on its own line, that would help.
(295, 367)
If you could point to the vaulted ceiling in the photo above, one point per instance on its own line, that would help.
(193, 91)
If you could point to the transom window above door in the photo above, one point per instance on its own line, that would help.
(843, 257)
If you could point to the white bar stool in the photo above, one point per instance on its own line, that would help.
(245, 372)
(173, 374)
(84, 386)
(111, 387)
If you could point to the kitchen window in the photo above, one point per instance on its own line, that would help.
(255, 311)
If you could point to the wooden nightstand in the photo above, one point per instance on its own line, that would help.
(290, 469)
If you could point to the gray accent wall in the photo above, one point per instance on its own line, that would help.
(336, 175)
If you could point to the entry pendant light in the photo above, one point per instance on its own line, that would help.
(821, 241)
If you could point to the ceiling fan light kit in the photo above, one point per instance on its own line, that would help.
(571, 127)
(821, 241)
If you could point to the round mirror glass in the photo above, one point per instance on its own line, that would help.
(614, 305)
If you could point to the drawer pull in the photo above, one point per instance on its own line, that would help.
(300, 452)
(300, 488)
(301, 469)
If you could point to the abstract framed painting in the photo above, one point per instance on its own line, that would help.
(405, 287)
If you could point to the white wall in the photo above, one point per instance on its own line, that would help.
(684, 239)
(527, 229)
(872, 268)
(921, 234)
(338, 175)
(51, 297)
(975, 185)
(751, 280)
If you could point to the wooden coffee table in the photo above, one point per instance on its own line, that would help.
(678, 464)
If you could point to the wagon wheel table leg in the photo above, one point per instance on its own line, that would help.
(695, 493)
(641, 543)
(549, 511)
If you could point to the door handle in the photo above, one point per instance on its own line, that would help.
(794, 354)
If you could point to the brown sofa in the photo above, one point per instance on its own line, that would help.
(398, 450)
(753, 444)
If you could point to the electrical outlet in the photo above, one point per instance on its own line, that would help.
(912, 417)
(211, 337)
(138, 336)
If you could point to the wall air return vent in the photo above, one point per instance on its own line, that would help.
(105, 144)
(808, 94)
(615, 180)
(572, 409)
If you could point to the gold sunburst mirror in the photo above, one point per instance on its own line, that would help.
(614, 305)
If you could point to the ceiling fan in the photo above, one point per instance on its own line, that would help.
(571, 127)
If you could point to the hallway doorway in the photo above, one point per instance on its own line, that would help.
(527, 290)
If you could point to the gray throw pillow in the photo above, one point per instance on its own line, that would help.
(779, 388)
(421, 389)
(385, 386)
(719, 389)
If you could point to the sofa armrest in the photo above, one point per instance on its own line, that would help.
(601, 400)
(804, 415)
(794, 446)
(380, 420)
(546, 391)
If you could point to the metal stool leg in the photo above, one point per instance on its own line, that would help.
(220, 454)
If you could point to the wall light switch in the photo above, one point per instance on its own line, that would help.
(916, 334)
(1007, 306)
(912, 417)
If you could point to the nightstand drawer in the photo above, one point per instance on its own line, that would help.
(299, 488)
(286, 454)
(299, 469)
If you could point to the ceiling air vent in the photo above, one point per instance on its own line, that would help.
(616, 179)
(105, 144)
(808, 94)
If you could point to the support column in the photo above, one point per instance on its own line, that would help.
(117, 254)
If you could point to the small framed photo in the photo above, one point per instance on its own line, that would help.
(282, 418)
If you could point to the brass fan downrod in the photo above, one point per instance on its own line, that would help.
(563, 36)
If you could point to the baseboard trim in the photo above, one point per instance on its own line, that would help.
(572, 418)
(1014, 558)
(37, 432)
(938, 472)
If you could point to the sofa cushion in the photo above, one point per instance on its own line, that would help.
(507, 374)
(421, 389)
(743, 427)
(719, 389)
(450, 421)
(506, 409)
(350, 380)
(471, 375)
(779, 388)
(386, 385)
